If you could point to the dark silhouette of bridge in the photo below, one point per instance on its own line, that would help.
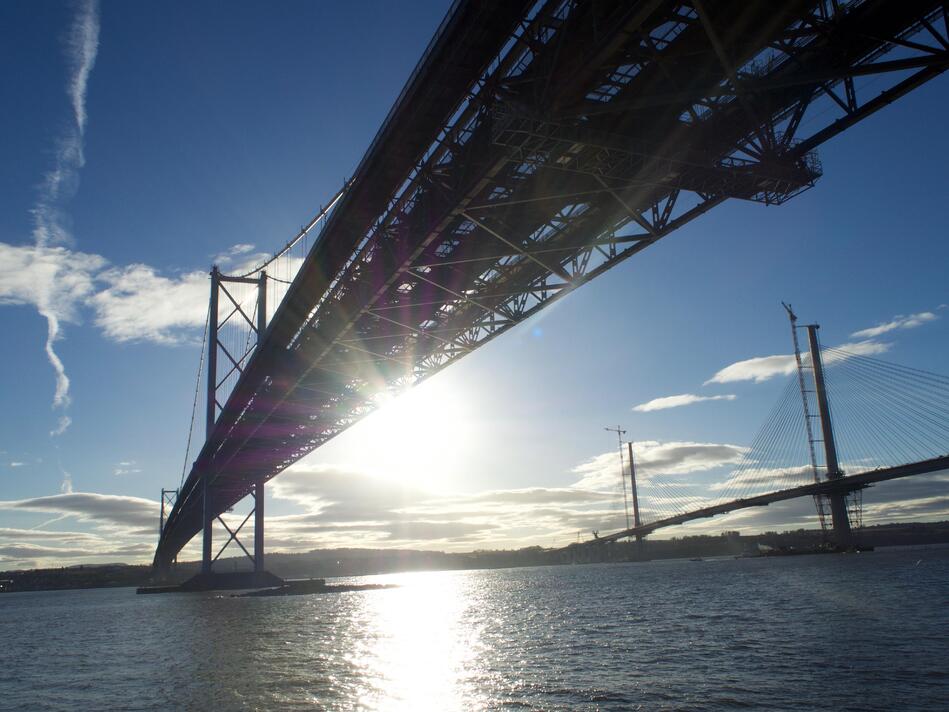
(535, 146)
(896, 423)
(840, 487)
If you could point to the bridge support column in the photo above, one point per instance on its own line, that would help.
(838, 501)
(259, 485)
(640, 542)
(210, 416)
(207, 515)
(259, 526)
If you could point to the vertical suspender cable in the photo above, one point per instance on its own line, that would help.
(194, 406)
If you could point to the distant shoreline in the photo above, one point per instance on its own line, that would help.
(335, 563)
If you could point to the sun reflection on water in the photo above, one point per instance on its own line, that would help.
(422, 647)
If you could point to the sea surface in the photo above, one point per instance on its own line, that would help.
(847, 632)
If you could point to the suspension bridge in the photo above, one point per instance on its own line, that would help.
(536, 145)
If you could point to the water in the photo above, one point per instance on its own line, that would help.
(859, 632)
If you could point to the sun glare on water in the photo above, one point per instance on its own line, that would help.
(422, 650)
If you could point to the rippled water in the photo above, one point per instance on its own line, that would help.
(861, 632)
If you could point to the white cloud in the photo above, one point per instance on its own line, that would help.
(898, 322)
(240, 258)
(931, 508)
(51, 296)
(19, 535)
(858, 348)
(17, 464)
(54, 280)
(66, 486)
(345, 507)
(112, 510)
(762, 368)
(766, 479)
(127, 467)
(55, 277)
(601, 473)
(757, 369)
(132, 303)
(140, 305)
(541, 495)
(678, 401)
(105, 520)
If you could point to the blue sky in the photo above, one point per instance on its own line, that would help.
(148, 139)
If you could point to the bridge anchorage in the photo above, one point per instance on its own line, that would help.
(537, 145)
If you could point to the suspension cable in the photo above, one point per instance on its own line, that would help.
(197, 387)
(304, 231)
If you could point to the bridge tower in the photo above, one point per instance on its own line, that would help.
(168, 497)
(637, 522)
(838, 500)
(257, 323)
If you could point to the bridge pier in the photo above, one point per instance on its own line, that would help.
(838, 501)
(259, 526)
(207, 579)
(208, 521)
(640, 541)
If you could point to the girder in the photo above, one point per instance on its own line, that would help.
(535, 146)
(841, 486)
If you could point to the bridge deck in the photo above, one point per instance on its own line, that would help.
(536, 145)
(843, 485)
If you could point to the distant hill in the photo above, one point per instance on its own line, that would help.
(330, 563)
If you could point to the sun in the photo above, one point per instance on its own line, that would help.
(420, 436)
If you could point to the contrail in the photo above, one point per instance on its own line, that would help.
(82, 46)
(60, 185)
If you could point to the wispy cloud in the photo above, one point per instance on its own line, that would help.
(601, 472)
(897, 323)
(59, 186)
(135, 303)
(766, 478)
(54, 280)
(62, 425)
(82, 47)
(112, 510)
(240, 257)
(103, 519)
(65, 486)
(126, 467)
(763, 368)
(757, 369)
(17, 464)
(678, 401)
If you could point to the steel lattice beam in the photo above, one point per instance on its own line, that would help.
(535, 146)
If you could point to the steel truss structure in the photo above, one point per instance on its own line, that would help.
(251, 328)
(535, 146)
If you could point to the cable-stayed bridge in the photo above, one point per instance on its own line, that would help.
(535, 146)
(883, 422)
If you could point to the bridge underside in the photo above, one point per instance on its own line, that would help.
(536, 145)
